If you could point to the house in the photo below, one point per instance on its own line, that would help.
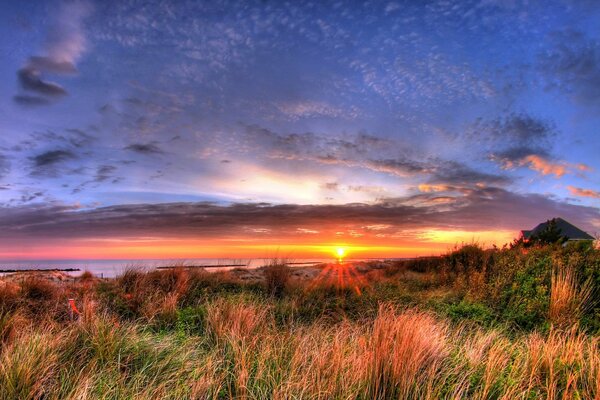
(563, 229)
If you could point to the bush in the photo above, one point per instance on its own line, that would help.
(277, 275)
(191, 320)
(41, 299)
(465, 310)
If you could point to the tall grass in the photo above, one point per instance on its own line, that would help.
(568, 299)
(187, 334)
(277, 275)
(242, 354)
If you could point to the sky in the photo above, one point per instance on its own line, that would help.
(148, 129)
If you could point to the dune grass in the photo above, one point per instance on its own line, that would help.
(410, 332)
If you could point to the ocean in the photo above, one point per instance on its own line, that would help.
(112, 268)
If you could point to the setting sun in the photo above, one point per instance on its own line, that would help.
(341, 252)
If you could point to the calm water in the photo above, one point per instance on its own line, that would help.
(111, 268)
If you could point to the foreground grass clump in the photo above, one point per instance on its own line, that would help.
(474, 324)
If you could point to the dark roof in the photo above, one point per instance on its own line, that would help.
(567, 230)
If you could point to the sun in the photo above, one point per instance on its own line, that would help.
(341, 252)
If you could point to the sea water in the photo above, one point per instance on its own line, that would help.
(112, 268)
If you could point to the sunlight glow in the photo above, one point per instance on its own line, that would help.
(341, 253)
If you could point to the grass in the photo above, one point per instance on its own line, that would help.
(568, 300)
(481, 324)
(277, 275)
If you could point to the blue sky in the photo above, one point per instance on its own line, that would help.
(477, 115)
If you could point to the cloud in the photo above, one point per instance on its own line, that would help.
(573, 65)
(514, 154)
(391, 6)
(544, 166)
(64, 45)
(30, 80)
(369, 152)
(520, 128)
(105, 173)
(539, 163)
(48, 163)
(428, 188)
(400, 167)
(66, 41)
(144, 148)
(476, 210)
(520, 140)
(511, 139)
(308, 109)
(79, 138)
(49, 64)
(52, 157)
(73, 137)
(584, 192)
(29, 195)
(457, 173)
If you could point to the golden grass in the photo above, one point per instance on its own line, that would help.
(568, 298)
(401, 354)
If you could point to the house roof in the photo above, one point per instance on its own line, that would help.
(567, 230)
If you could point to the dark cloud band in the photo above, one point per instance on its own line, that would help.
(484, 209)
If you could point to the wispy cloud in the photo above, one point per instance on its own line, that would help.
(64, 45)
(572, 64)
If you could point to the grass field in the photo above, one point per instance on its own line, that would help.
(510, 323)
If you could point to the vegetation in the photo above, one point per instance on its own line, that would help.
(510, 323)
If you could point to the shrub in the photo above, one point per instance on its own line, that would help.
(38, 290)
(277, 275)
(41, 299)
(468, 258)
(465, 310)
(130, 279)
(86, 276)
(191, 320)
(167, 280)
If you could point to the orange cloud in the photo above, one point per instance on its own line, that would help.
(427, 188)
(544, 166)
(584, 192)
